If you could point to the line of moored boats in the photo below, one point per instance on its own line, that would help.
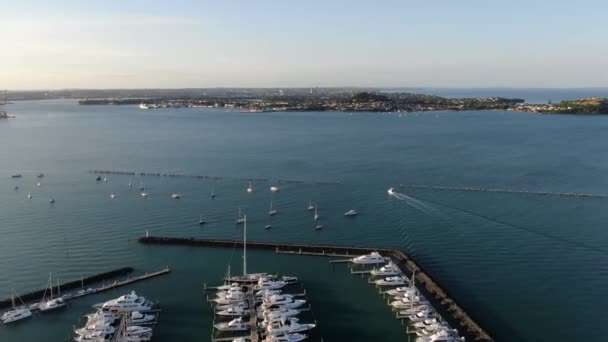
(423, 320)
(123, 319)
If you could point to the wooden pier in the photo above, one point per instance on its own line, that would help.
(468, 325)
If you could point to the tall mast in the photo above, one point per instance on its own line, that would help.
(245, 245)
(51, 283)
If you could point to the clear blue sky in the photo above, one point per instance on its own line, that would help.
(257, 43)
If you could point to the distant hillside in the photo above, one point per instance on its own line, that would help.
(592, 105)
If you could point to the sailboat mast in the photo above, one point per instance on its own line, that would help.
(245, 245)
(51, 283)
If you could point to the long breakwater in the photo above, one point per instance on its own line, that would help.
(471, 328)
(208, 177)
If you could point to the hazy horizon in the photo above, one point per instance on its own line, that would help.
(266, 44)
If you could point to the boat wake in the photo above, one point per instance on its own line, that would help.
(416, 203)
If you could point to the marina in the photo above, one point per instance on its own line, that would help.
(466, 323)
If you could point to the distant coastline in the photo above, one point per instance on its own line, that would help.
(361, 102)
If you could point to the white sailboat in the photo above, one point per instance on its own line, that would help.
(213, 192)
(240, 219)
(249, 188)
(272, 210)
(310, 206)
(200, 220)
(51, 303)
(316, 214)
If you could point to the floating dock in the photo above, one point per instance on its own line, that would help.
(468, 325)
(77, 284)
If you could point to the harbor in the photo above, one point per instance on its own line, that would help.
(406, 265)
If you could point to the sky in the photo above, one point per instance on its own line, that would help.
(259, 43)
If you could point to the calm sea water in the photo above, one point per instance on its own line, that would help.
(527, 267)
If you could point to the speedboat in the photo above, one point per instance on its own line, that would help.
(285, 338)
(233, 311)
(369, 259)
(141, 318)
(234, 325)
(176, 196)
(389, 269)
(52, 304)
(390, 281)
(391, 192)
(15, 314)
(268, 226)
(127, 303)
(274, 189)
(351, 212)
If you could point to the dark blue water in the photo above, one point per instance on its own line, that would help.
(527, 267)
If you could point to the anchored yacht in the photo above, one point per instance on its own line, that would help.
(249, 188)
(310, 206)
(274, 189)
(285, 338)
(272, 211)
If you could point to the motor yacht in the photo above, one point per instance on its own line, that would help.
(233, 311)
(236, 324)
(283, 301)
(96, 336)
(267, 284)
(138, 332)
(399, 291)
(369, 259)
(387, 270)
(275, 313)
(288, 326)
(351, 212)
(128, 303)
(141, 318)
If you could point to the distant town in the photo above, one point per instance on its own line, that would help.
(307, 99)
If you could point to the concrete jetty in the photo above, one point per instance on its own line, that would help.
(467, 324)
(76, 284)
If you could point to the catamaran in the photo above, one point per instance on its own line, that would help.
(15, 314)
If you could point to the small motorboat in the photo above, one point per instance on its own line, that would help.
(268, 226)
(98, 178)
(274, 189)
(29, 195)
(40, 175)
(201, 221)
(391, 192)
(52, 200)
(17, 175)
(319, 226)
(176, 196)
(144, 194)
(112, 195)
(351, 212)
